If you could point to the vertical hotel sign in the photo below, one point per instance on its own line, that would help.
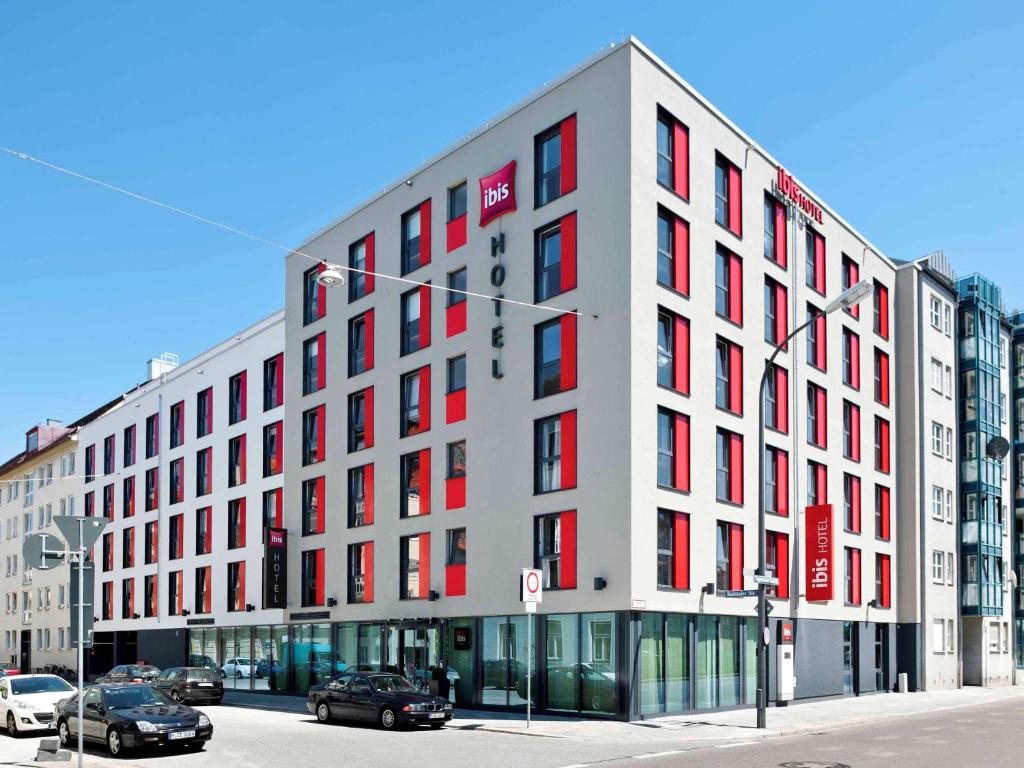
(497, 197)
(819, 553)
(275, 568)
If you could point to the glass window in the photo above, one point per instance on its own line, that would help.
(722, 555)
(410, 565)
(548, 361)
(410, 502)
(665, 139)
(722, 191)
(456, 374)
(652, 663)
(562, 668)
(666, 249)
(548, 165)
(358, 285)
(311, 309)
(549, 548)
(666, 448)
(456, 547)
(410, 321)
(722, 282)
(548, 262)
(410, 416)
(310, 365)
(666, 553)
(666, 349)
(357, 421)
(457, 459)
(769, 228)
(598, 684)
(457, 285)
(411, 241)
(548, 434)
(357, 345)
(456, 201)
(357, 496)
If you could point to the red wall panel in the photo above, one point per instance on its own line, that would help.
(567, 576)
(568, 427)
(567, 131)
(567, 328)
(567, 266)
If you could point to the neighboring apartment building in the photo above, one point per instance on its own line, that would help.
(1016, 320)
(926, 455)
(188, 469)
(35, 486)
(985, 479)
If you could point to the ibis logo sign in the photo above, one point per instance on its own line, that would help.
(498, 193)
(786, 187)
(818, 554)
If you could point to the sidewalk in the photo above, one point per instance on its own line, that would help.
(733, 725)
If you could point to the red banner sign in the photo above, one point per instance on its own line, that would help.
(789, 188)
(498, 193)
(819, 557)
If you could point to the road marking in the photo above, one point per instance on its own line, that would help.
(658, 754)
(735, 744)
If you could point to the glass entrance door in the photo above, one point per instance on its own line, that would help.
(413, 650)
(848, 655)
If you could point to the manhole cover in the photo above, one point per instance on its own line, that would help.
(812, 764)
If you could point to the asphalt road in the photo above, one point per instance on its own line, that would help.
(243, 738)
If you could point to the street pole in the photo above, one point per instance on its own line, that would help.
(81, 638)
(529, 664)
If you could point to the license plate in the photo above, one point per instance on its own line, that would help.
(435, 715)
(206, 685)
(181, 735)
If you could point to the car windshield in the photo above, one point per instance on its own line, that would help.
(134, 696)
(202, 674)
(137, 670)
(243, 661)
(21, 686)
(392, 683)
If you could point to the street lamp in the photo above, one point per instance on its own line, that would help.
(848, 298)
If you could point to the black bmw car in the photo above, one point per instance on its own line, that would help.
(191, 684)
(388, 699)
(129, 716)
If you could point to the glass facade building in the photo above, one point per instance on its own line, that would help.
(1017, 472)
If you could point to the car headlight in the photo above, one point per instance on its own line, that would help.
(203, 720)
(22, 704)
(447, 706)
(145, 726)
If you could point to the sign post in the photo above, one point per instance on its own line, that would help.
(532, 592)
(44, 551)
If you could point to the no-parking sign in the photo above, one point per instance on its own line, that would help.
(531, 588)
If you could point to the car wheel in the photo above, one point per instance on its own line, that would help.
(388, 719)
(64, 733)
(238, 674)
(323, 712)
(595, 703)
(217, 701)
(114, 743)
(12, 726)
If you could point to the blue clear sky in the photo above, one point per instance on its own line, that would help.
(905, 117)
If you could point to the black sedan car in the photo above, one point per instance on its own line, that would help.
(129, 673)
(129, 716)
(388, 699)
(191, 684)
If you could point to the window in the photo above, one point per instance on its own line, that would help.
(150, 556)
(360, 420)
(273, 382)
(360, 496)
(949, 506)
(360, 573)
(204, 471)
(457, 201)
(273, 505)
(728, 196)
(728, 555)
(852, 591)
(177, 481)
(555, 258)
(776, 481)
(555, 162)
(555, 549)
(936, 438)
(673, 160)
(937, 498)
(881, 310)
(204, 530)
(175, 593)
(673, 351)
(313, 436)
(414, 554)
(555, 453)
(555, 356)
(817, 483)
(881, 377)
(935, 312)
(851, 276)
(949, 569)
(204, 412)
(949, 385)
(152, 441)
(236, 586)
(817, 416)
(360, 343)
(314, 364)
(456, 459)
(882, 444)
(273, 447)
(851, 358)
(729, 466)
(882, 581)
(946, 320)
(673, 252)
(177, 424)
(455, 306)
(108, 460)
(777, 563)
(673, 549)
(728, 376)
(236, 523)
(938, 566)
(816, 347)
(129, 449)
(455, 563)
(236, 461)
(314, 295)
(415, 478)
(127, 498)
(814, 254)
(237, 396)
(776, 399)
(775, 231)
(313, 504)
(851, 502)
(313, 576)
(673, 450)
(361, 259)
(728, 285)
(416, 238)
(851, 431)
(414, 417)
(176, 539)
(776, 310)
(415, 319)
(936, 375)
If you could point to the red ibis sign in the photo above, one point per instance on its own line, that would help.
(498, 193)
(789, 188)
(819, 553)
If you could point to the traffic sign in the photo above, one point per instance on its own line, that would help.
(80, 532)
(88, 604)
(532, 586)
(771, 581)
(42, 551)
(738, 593)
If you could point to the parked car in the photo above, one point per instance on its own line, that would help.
(238, 667)
(125, 717)
(27, 701)
(9, 670)
(388, 699)
(198, 660)
(191, 684)
(265, 668)
(129, 673)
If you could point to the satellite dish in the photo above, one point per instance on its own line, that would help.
(997, 448)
